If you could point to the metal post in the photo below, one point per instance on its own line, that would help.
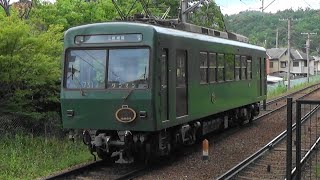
(298, 140)
(307, 46)
(308, 60)
(277, 37)
(289, 138)
(184, 6)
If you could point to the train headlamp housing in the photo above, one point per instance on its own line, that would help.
(79, 39)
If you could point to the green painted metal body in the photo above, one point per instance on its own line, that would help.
(96, 108)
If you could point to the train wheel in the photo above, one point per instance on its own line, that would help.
(251, 117)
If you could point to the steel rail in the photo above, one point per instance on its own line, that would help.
(274, 110)
(245, 163)
(75, 170)
(283, 97)
(132, 174)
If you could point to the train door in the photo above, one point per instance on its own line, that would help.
(164, 113)
(260, 76)
(181, 83)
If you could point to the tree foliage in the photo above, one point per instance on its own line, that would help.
(209, 15)
(31, 45)
(261, 27)
(29, 63)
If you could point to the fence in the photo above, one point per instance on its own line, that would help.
(11, 125)
(302, 152)
(294, 82)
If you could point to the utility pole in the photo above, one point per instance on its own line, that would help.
(184, 6)
(289, 51)
(262, 6)
(277, 37)
(308, 47)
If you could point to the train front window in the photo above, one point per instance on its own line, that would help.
(86, 69)
(128, 68)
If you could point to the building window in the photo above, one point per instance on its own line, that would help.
(283, 64)
(220, 73)
(212, 67)
(203, 67)
(305, 63)
(271, 64)
(295, 64)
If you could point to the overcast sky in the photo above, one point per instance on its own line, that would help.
(236, 6)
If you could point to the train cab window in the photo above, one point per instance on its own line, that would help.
(203, 67)
(220, 63)
(86, 69)
(128, 68)
(212, 67)
(243, 67)
(229, 59)
(249, 67)
(237, 69)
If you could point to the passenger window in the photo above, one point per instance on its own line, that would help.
(243, 67)
(237, 70)
(203, 67)
(220, 73)
(249, 67)
(212, 67)
(229, 59)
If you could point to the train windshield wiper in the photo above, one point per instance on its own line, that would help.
(126, 97)
(73, 71)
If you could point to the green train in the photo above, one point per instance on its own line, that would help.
(139, 89)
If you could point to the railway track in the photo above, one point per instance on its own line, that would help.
(101, 170)
(270, 161)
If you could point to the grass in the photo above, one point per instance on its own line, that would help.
(282, 89)
(24, 157)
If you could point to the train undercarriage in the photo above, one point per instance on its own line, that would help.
(128, 146)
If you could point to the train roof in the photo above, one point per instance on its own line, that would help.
(176, 32)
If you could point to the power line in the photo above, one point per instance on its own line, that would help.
(307, 3)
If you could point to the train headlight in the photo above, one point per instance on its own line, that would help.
(79, 39)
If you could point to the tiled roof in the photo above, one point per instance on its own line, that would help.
(276, 53)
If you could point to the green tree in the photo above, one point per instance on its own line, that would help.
(209, 15)
(30, 68)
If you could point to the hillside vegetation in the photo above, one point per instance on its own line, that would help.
(261, 28)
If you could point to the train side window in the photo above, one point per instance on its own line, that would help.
(229, 59)
(203, 67)
(212, 67)
(220, 73)
(249, 67)
(243, 67)
(164, 67)
(180, 65)
(237, 68)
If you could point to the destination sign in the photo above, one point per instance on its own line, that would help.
(108, 38)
